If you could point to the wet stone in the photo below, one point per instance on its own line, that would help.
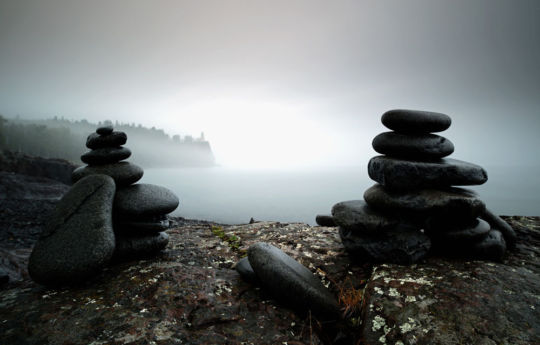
(357, 216)
(140, 227)
(243, 267)
(291, 281)
(498, 223)
(325, 220)
(450, 203)
(123, 173)
(491, 247)
(78, 240)
(104, 130)
(415, 121)
(144, 200)
(413, 146)
(114, 139)
(129, 247)
(106, 155)
(402, 174)
(470, 233)
(402, 245)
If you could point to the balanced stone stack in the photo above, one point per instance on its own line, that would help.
(102, 215)
(139, 210)
(415, 208)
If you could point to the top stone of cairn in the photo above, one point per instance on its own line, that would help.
(415, 121)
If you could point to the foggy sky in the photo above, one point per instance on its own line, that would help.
(315, 74)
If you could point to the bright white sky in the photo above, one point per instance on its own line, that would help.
(281, 83)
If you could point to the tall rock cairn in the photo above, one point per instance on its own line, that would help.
(139, 210)
(415, 208)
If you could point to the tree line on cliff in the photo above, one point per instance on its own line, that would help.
(63, 138)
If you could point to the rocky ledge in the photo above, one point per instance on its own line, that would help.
(191, 294)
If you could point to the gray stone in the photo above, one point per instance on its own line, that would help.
(357, 216)
(498, 223)
(104, 130)
(325, 220)
(106, 155)
(461, 234)
(491, 247)
(401, 174)
(143, 199)
(4, 277)
(454, 203)
(114, 139)
(413, 146)
(415, 121)
(401, 245)
(140, 227)
(291, 281)
(243, 267)
(123, 173)
(130, 247)
(78, 241)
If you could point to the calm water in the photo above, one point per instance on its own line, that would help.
(234, 196)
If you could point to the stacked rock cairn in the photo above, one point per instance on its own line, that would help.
(415, 208)
(103, 216)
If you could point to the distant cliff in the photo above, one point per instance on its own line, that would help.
(65, 139)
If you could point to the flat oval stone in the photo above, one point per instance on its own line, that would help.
(114, 139)
(104, 130)
(291, 281)
(106, 155)
(78, 240)
(473, 232)
(453, 202)
(402, 174)
(415, 121)
(357, 216)
(325, 220)
(402, 245)
(498, 223)
(243, 267)
(123, 173)
(491, 247)
(413, 146)
(144, 200)
(129, 247)
(140, 227)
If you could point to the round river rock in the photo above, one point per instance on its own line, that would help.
(123, 173)
(143, 199)
(413, 146)
(106, 155)
(114, 139)
(402, 174)
(415, 121)
(78, 240)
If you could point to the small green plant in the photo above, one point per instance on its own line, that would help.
(234, 242)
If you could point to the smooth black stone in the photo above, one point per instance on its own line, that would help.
(357, 216)
(78, 240)
(491, 247)
(413, 146)
(106, 155)
(144, 200)
(401, 174)
(402, 245)
(498, 223)
(104, 130)
(140, 227)
(123, 173)
(454, 203)
(325, 220)
(129, 247)
(114, 139)
(291, 282)
(4, 277)
(415, 121)
(471, 233)
(243, 267)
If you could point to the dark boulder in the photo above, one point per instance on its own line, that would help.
(402, 174)
(78, 241)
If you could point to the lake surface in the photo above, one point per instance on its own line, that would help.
(234, 196)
